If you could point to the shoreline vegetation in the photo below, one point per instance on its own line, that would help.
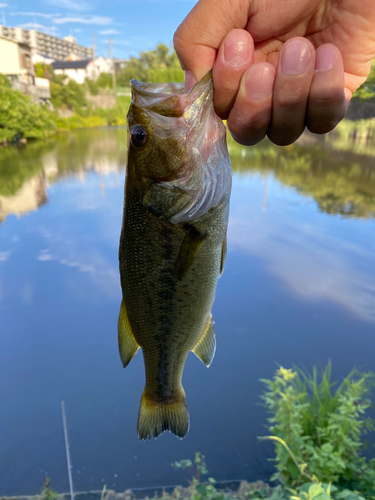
(74, 104)
(319, 429)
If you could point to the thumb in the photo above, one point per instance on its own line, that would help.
(198, 37)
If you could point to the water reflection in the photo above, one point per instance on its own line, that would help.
(342, 182)
(298, 288)
(26, 172)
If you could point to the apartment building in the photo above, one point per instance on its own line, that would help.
(47, 45)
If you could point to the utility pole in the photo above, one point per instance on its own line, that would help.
(69, 463)
(113, 66)
(93, 45)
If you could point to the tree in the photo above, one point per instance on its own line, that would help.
(159, 65)
(21, 118)
(44, 71)
(367, 90)
(69, 95)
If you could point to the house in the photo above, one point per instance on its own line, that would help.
(16, 64)
(80, 70)
(75, 70)
(98, 66)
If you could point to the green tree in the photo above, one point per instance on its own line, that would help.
(21, 118)
(4, 81)
(159, 65)
(367, 90)
(67, 94)
(43, 70)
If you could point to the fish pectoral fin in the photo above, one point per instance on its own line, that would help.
(189, 249)
(223, 255)
(127, 343)
(165, 201)
(206, 346)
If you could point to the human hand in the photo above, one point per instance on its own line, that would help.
(279, 65)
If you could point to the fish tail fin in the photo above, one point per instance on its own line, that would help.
(155, 418)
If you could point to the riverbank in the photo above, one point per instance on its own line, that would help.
(236, 489)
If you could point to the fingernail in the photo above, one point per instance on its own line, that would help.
(190, 81)
(237, 49)
(326, 57)
(259, 81)
(295, 58)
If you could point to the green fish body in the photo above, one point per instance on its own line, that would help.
(173, 242)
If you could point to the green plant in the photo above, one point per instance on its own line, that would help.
(21, 118)
(159, 65)
(322, 428)
(67, 93)
(47, 492)
(367, 90)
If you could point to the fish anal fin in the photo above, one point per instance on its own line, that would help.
(206, 346)
(155, 418)
(223, 255)
(127, 343)
(189, 249)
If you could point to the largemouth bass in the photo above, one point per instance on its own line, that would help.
(173, 241)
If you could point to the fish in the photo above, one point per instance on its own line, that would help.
(173, 241)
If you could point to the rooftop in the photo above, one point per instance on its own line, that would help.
(80, 64)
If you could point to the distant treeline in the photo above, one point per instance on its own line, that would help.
(22, 119)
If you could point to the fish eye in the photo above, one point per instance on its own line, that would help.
(139, 136)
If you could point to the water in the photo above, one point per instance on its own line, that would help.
(298, 288)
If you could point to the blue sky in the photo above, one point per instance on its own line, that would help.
(133, 25)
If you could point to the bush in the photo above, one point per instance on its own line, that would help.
(69, 95)
(322, 429)
(47, 492)
(21, 118)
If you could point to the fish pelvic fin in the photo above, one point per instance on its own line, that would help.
(127, 343)
(206, 345)
(155, 418)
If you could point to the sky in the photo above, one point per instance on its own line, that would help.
(133, 25)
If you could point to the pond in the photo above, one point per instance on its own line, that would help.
(298, 288)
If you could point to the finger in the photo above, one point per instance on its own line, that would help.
(327, 102)
(236, 54)
(251, 114)
(199, 36)
(295, 71)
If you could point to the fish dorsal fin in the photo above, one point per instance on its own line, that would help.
(206, 346)
(223, 255)
(189, 249)
(127, 343)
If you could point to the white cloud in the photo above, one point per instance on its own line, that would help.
(4, 256)
(311, 263)
(77, 30)
(99, 20)
(3, 5)
(35, 14)
(109, 32)
(41, 27)
(69, 4)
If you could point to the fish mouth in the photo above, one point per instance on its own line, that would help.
(169, 99)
